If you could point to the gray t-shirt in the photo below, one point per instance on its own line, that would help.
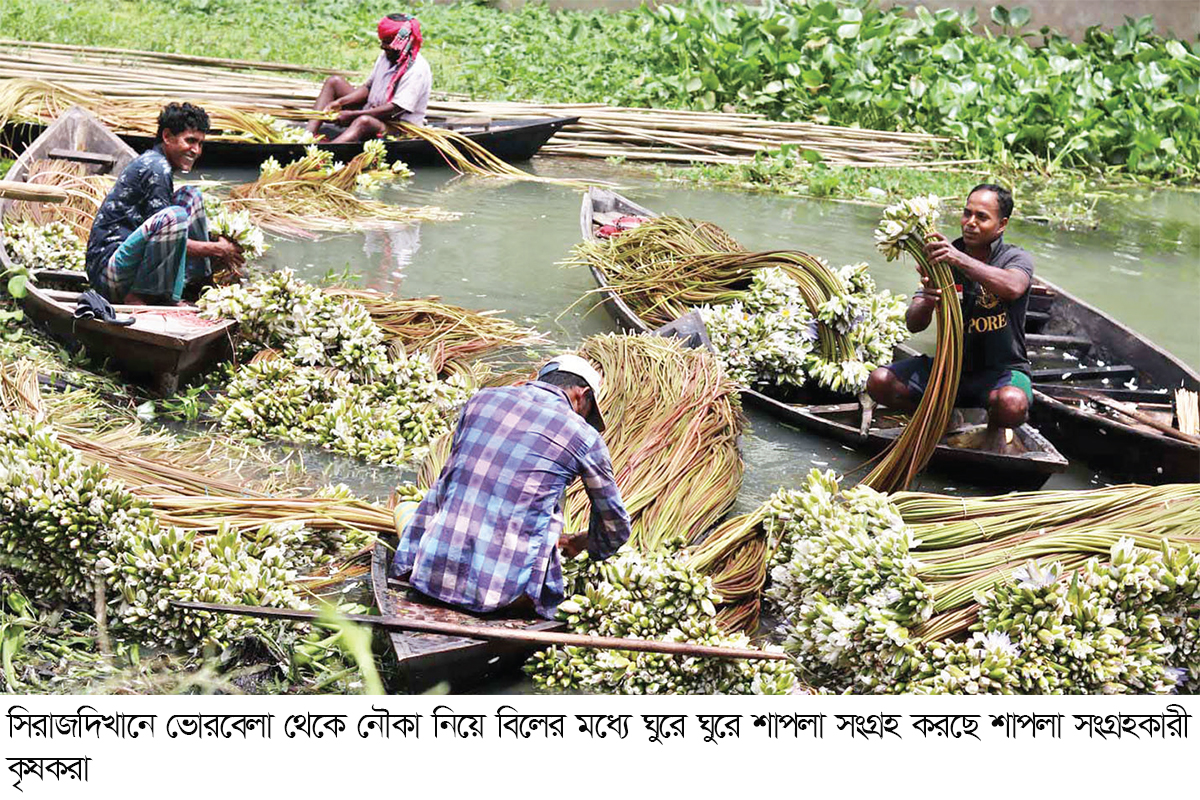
(993, 330)
(412, 92)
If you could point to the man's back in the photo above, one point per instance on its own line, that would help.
(486, 532)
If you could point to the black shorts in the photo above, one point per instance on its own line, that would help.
(973, 389)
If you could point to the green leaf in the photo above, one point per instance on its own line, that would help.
(17, 284)
(1176, 50)
(848, 31)
(694, 85)
(1019, 16)
(773, 87)
(1000, 16)
(951, 52)
(812, 78)
(812, 156)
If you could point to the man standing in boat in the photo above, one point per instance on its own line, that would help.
(995, 278)
(149, 240)
(487, 534)
(397, 89)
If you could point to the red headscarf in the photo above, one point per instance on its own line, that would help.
(402, 36)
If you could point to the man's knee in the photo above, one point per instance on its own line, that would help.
(1009, 406)
(169, 218)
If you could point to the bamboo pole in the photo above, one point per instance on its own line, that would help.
(536, 638)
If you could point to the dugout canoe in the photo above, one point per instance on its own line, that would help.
(166, 344)
(1074, 345)
(426, 659)
(511, 140)
(839, 417)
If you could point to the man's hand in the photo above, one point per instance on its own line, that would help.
(938, 248)
(573, 544)
(344, 118)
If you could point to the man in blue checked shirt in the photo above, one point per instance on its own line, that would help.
(486, 536)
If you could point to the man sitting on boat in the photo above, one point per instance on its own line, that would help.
(149, 240)
(484, 537)
(995, 278)
(397, 89)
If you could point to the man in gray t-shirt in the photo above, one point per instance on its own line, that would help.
(397, 89)
(995, 278)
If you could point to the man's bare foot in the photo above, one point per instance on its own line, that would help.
(1003, 441)
(132, 299)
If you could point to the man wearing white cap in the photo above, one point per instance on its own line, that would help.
(487, 534)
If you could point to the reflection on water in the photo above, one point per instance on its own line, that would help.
(1142, 266)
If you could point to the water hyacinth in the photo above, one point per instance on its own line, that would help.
(863, 606)
(648, 596)
(53, 245)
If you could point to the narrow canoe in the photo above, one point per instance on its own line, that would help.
(1075, 345)
(511, 140)
(166, 344)
(838, 416)
(427, 659)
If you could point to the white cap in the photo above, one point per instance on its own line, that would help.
(573, 364)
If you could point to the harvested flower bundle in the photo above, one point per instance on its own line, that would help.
(777, 318)
(445, 332)
(905, 228)
(325, 375)
(471, 158)
(1106, 605)
(649, 596)
(673, 427)
(315, 194)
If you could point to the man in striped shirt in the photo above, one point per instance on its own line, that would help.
(487, 534)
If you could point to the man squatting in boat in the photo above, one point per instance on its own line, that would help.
(995, 278)
(397, 90)
(148, 240)
(486, 537)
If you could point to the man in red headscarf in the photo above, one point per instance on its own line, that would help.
(396, 91)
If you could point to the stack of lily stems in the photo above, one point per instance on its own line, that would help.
(667, 266)
(190, 487)
(908, 454)
(969, 544)
(673, 426)
(302, 197)
(85, 193)
(448, 333)
(735, 555)
(602, 131)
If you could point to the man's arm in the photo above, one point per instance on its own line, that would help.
(1006, 284)
(608, 527)
(357, 97)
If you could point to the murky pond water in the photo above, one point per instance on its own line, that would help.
(1143, 266)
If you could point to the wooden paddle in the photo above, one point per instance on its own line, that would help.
(19, 190)
(539, 638)
(1139, 417)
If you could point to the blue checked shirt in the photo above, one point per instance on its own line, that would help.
(487, 531)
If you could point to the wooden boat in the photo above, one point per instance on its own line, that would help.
(427, 659)
(841, 417)
(166, 344)
(1075, 346)
(510, 140)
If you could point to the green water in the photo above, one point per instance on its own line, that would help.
(1142, 266)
